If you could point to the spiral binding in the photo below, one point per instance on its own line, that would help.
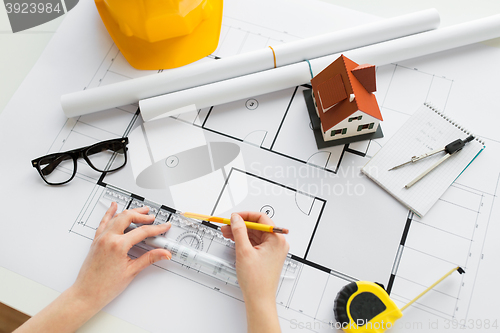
(453, 122)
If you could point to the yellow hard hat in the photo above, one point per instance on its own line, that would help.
(162, 34)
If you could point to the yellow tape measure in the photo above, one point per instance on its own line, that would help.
(365, 306)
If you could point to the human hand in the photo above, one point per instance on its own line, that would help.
(108, 269)
(259, 262)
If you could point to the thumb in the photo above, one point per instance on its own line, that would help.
(150, 258)
(239, 230)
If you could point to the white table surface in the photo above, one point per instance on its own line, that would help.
(20, 51)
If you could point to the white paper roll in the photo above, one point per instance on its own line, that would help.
(131, 91)
(420, 44)
(322, 45)
(299, 73)
(226, 91)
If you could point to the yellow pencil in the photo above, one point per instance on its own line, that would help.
(250, 225)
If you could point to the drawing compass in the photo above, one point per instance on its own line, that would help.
(449, 149)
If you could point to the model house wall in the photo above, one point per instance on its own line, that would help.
(357, 124)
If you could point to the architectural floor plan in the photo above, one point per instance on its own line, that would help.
(268, 162)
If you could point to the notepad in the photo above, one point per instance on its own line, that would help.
(426, 130)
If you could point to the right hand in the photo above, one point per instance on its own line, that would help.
(259, 256)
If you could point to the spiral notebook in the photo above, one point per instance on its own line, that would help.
(426, 130)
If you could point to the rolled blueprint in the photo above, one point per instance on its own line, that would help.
(131, 91)
(300, 73)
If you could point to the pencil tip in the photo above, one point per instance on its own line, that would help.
(280, 230)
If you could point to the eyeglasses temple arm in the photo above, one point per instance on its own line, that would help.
(52, 165)
(115, 148)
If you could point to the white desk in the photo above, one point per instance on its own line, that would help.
(20, 52)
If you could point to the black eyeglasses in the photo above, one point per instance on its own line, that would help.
(60, 168)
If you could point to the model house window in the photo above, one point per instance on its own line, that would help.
(355, 118)
(365, 126)
(339, 131)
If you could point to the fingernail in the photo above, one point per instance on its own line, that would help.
(168, 257)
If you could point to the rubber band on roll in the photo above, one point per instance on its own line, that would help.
(310, 68)
(274, 56)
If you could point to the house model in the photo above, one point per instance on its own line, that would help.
(342, 106)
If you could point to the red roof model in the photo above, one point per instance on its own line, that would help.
(344, 99)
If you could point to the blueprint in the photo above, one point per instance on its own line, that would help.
(257, 154)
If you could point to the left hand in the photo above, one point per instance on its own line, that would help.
(108, 269)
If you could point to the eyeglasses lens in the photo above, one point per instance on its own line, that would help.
(57, 169)
(107, 156)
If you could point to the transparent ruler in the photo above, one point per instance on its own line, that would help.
(196, 245)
